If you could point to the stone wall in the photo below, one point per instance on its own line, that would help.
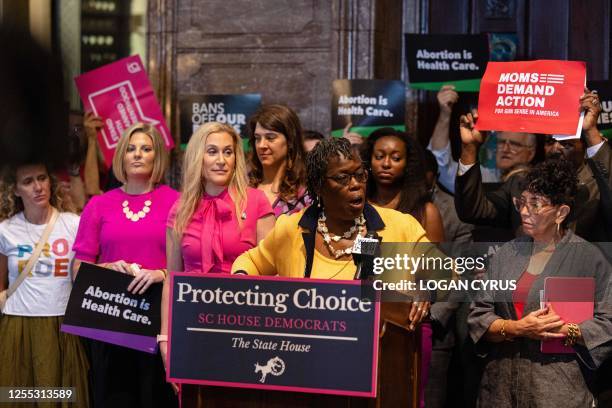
(287, 50)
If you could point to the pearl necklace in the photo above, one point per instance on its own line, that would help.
(136, 216)
(359, 226)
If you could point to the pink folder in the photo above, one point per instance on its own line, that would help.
(573, 300)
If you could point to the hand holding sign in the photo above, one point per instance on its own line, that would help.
(119, 266)
(447, 97)
(354, 138)
(590, 105)
(145, 278)
(92, 124)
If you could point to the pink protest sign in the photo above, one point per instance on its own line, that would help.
(122, 95)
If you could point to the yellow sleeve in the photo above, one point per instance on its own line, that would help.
(261, 260)
(416, 233)
(405, 227)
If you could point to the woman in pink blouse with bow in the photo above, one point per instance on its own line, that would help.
(218, 217)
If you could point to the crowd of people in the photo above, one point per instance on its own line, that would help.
(293, 206)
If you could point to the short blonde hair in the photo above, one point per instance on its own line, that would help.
(161, 160)
(193, 182)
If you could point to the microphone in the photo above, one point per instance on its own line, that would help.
(364, 250)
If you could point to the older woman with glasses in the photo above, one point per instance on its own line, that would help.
(317, 242)
(508, 327)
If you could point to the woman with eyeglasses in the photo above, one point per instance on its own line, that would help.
(397, 166)
(508, 327)
(317, 242)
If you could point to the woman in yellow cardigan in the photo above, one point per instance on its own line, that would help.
(317, 242)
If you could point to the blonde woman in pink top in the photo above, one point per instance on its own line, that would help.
(124, 230)
(218, 217)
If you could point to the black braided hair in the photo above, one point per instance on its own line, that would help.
(318, 159)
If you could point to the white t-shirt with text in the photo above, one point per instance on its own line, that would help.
(46, 290)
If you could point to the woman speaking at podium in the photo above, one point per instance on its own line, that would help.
(317, 242)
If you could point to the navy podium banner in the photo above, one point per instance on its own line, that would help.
(304, 335)
(101, 308)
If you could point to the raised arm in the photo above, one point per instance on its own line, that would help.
(473, 205)
(91, 173)
(447, 97)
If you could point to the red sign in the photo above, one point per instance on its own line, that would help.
(122, 95)
(531, 96)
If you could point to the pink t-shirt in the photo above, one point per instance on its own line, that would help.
(106, 235)
(213, 238)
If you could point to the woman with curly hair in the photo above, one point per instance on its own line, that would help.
(33, 351)
(277, 158)
(397, 164)
(508, 327)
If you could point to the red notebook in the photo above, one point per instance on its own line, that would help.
(573, 299)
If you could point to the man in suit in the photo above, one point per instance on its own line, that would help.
(496, 208)
(514, 149)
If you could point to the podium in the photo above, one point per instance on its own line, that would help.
(398, 376)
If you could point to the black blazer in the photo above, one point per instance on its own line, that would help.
(591, 217)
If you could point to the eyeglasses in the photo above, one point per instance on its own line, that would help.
(512, 144)
(534, 206)
(361, 176)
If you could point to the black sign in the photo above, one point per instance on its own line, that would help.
(101, 308)
(235, 110)
(604, 89)
(273, 333)
(368, 104)
(439, 59)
